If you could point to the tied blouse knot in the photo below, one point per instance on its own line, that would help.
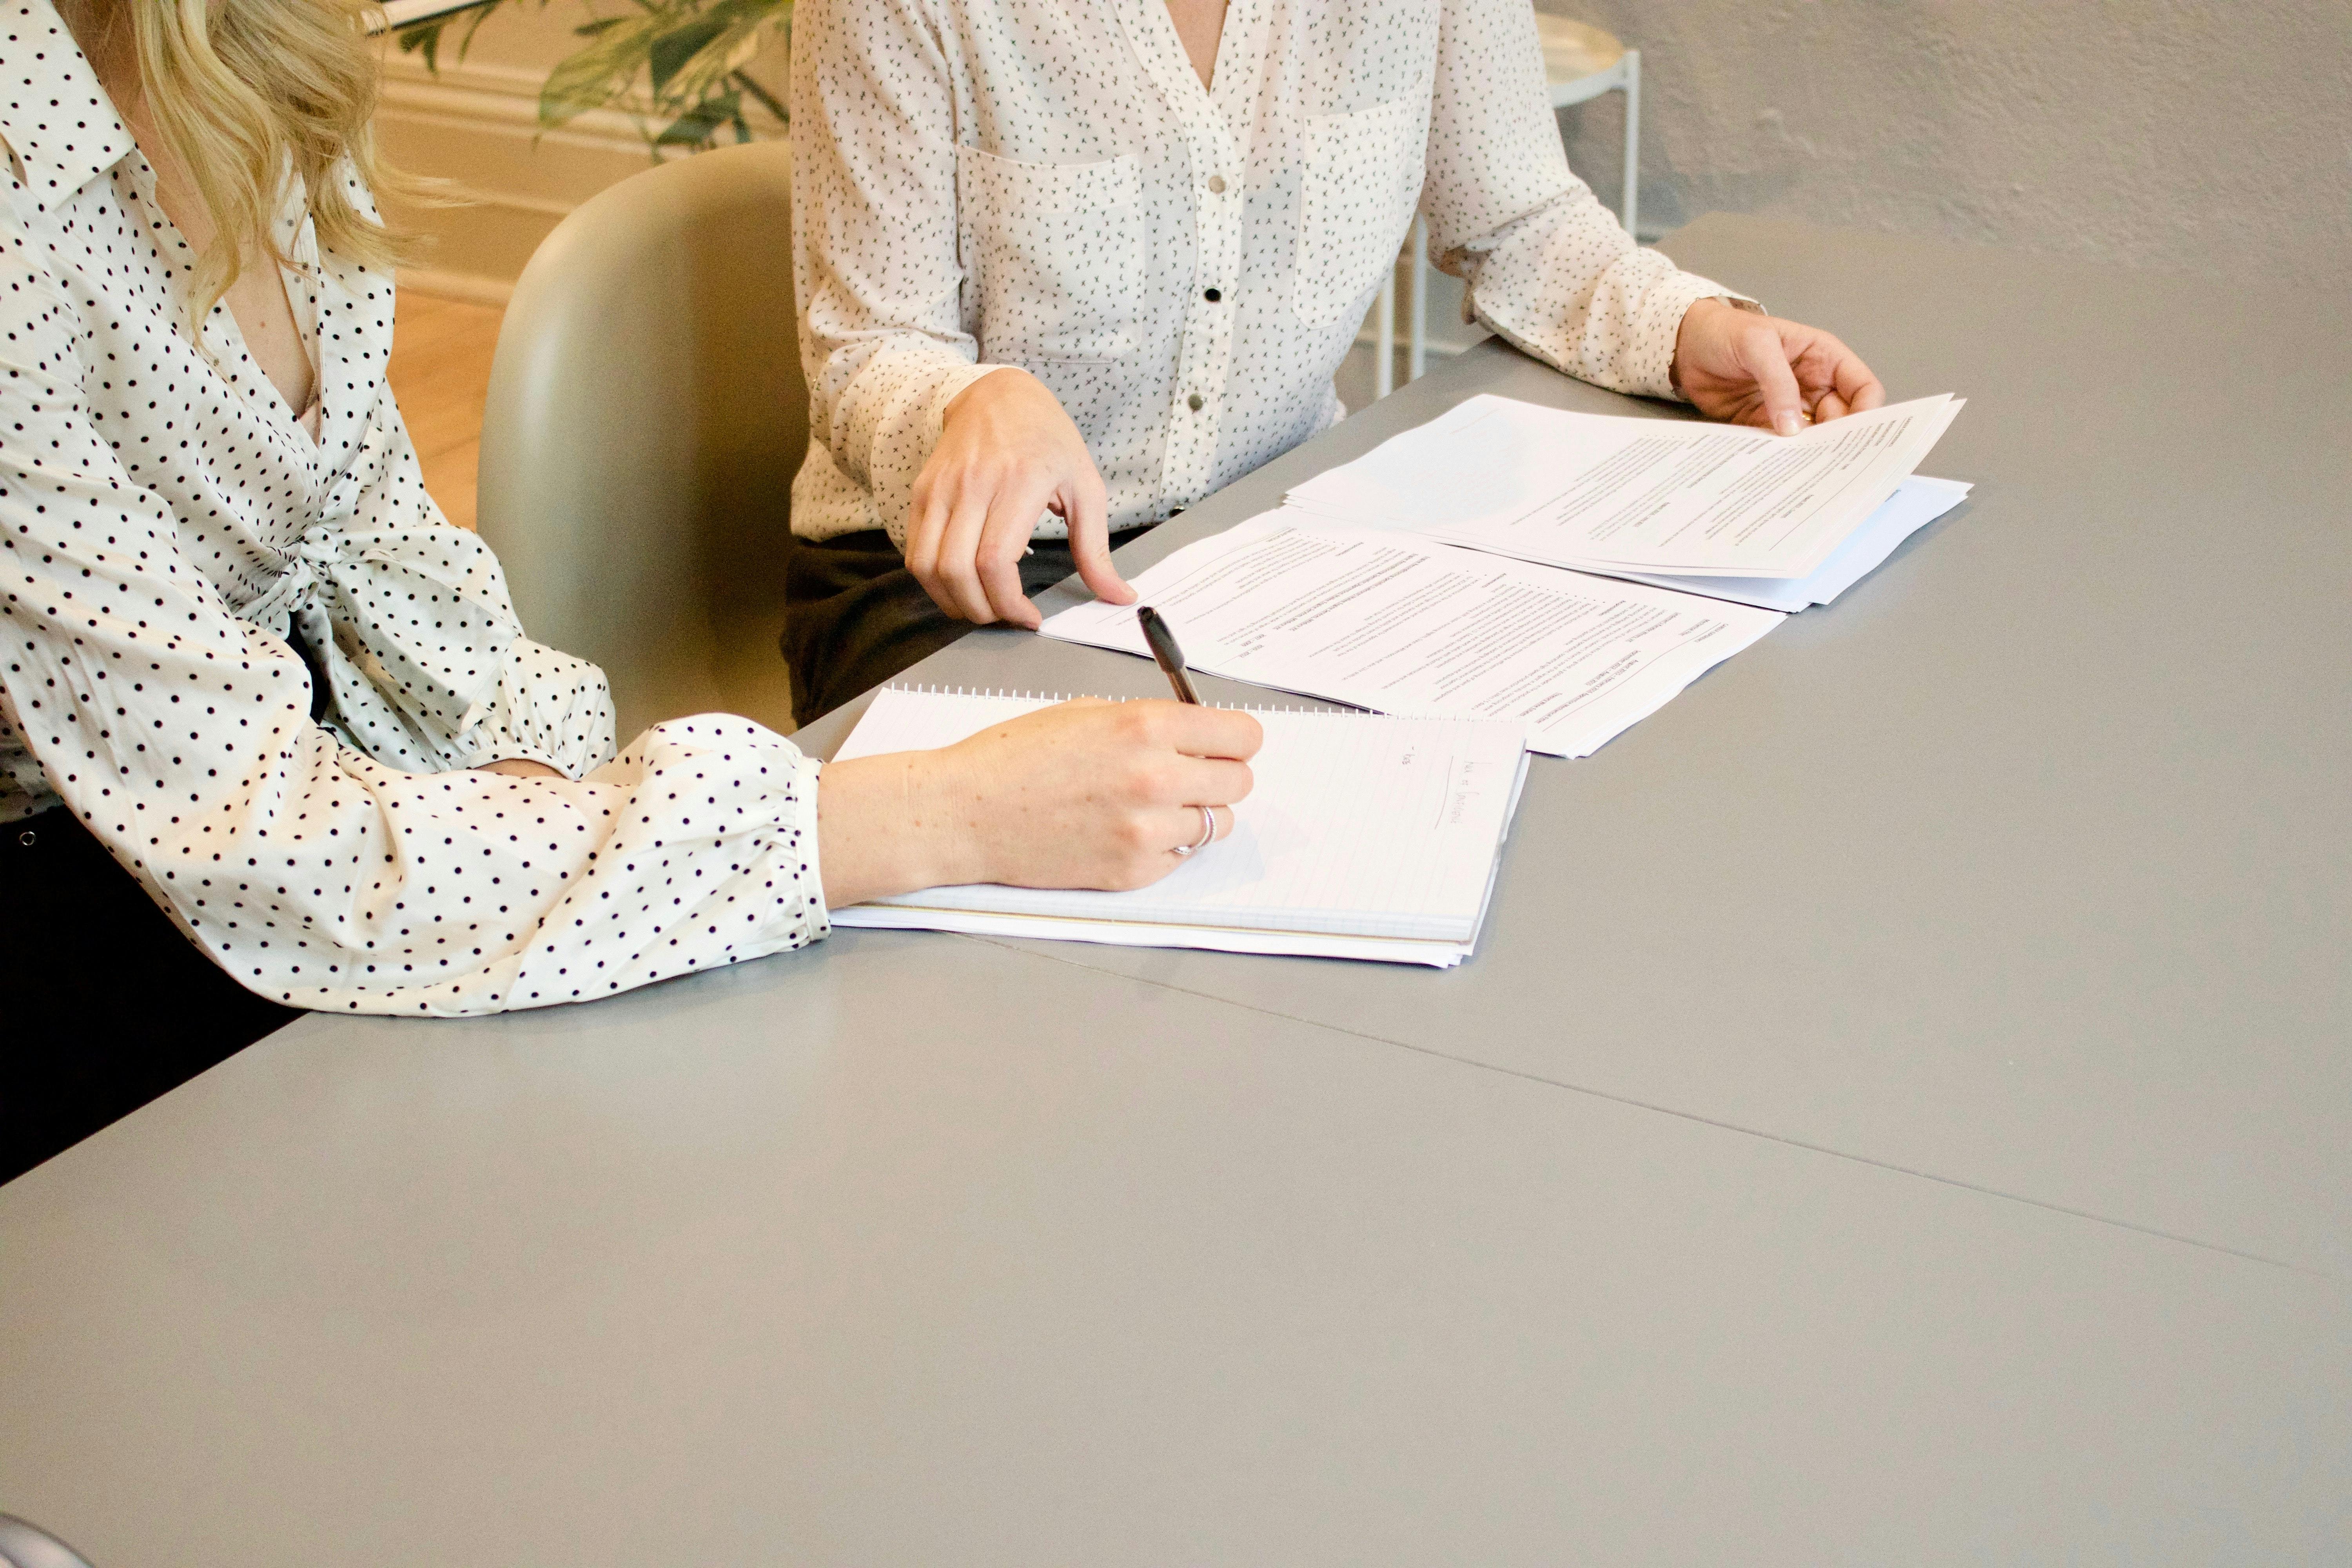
(413, 617)
(244, 647)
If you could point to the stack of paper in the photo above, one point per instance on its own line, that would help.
(1608, 493)
(1363, 837)
(1567, 573)
(1917, 502)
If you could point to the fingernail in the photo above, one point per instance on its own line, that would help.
(1786, 424)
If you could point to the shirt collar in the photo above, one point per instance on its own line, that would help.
(53, 112)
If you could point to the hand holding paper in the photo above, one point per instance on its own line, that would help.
(1748, 368)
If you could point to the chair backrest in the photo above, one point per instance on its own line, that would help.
(23, 1545)
(646, 413)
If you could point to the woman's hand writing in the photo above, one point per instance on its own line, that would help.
(1083, 794)
(1007, 454)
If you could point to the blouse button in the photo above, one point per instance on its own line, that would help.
(1216, 185)
(1195, 402)
(1212, 295)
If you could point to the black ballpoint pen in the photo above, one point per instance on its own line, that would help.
(1164, 649)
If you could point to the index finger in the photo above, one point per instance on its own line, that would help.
(1764, 355)
(1200, 732)
(1089, 529)
(1856, 385)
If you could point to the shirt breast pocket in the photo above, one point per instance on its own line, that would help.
(1360, 179)
(1055, 251)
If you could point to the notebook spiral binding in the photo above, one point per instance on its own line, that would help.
(930, 690)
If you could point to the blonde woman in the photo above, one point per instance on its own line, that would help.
(271, 737)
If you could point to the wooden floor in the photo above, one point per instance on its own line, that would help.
(440, 371)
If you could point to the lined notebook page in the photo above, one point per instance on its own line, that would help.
(1357, 825)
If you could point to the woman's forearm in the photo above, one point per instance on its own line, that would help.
(879, 833)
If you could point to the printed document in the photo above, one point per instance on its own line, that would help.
(1401, 624)
(1614, 493)
(1917, 502)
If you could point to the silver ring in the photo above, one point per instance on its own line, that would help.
(1208, 832)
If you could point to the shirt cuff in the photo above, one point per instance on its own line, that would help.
(951, 386)
(1659, 319)
(892, 491)
(804, 788)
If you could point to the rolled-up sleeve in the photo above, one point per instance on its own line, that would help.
(181, 735)
(875, 241)
(1549, 267)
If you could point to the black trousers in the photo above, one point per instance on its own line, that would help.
(103, 1004)
(855, 616)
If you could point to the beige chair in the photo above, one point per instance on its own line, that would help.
(23, 1545)
(646, 412)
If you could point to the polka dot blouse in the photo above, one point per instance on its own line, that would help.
(1046, 183)
(169, 532)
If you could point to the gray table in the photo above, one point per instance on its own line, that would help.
(1899, 1115)
(2028, 865)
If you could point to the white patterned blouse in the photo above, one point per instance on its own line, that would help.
(1046, 183)
(170, 532)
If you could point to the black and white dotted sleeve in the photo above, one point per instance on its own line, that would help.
(181, 735)
(1550, 268)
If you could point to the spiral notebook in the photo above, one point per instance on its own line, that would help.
(1364, 837)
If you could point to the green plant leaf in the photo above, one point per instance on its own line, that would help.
(698, 58)
(760, 95)
(698, 126)
(676, 48)
(592, 76)
(690, 53)
(425, 37)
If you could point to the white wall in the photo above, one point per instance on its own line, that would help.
(2188, 135)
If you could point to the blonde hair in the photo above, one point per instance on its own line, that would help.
(248, 92)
